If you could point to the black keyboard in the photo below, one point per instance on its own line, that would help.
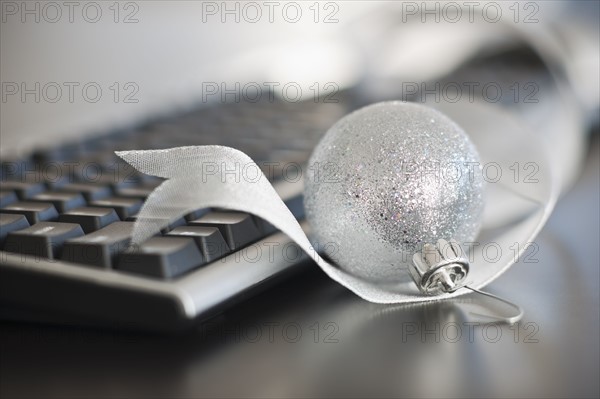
(67, 214)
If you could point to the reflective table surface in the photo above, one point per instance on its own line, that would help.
(309, 336)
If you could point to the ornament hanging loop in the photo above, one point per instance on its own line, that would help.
(499, 309)
(443, 268)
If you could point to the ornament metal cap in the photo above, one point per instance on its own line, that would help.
(443, 268)
(440, 268)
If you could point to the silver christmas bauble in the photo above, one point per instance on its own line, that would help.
(387, 179)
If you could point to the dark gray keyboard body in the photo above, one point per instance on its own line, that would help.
(64, 236)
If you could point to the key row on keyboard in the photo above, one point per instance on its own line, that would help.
(42, 240)
(57, 174)
(90, 218)
(93, 190)
(179, 250)
(47, 206)
(72, 208)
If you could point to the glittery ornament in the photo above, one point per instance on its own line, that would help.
(387, 179)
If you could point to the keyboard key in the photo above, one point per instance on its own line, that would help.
(10, 223)
(42, 240)
(100, 247)
(208, 239)
(34, 211)
(296, 206)
(134, 192)
(7, 197)
(89, 218)
(175, 223)
(198, 213)
(164, 257)
(119, 179)
(125, 207)
(63, 202)
(24, 190)
(90, 191)
(237, 228)
(263, 226)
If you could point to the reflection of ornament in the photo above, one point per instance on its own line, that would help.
(387, 179)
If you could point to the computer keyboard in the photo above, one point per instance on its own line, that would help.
(67, 215)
